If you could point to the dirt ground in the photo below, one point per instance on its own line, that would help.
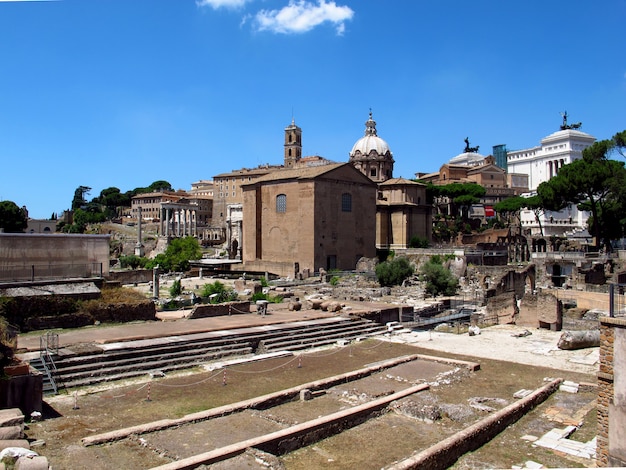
(71, 417)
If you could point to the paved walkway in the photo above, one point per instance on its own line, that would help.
(169, 324)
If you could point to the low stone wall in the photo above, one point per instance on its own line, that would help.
(448, 451)
(135, 276)
(217, 310)
(41, 313)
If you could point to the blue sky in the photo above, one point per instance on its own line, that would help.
(122, 93)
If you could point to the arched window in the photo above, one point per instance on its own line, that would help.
(346, 202)
(281, 203)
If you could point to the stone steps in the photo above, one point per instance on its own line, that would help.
(121, 360)
(165, 365)
(309, 339)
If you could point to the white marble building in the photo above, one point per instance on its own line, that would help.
(542, 163)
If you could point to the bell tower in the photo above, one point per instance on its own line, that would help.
(293, 144)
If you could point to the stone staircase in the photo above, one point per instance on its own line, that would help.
(128, 359)
(320, 335)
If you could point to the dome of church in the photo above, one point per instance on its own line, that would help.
(369, 143)
(468, 158)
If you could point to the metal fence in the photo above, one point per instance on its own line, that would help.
(617, 300)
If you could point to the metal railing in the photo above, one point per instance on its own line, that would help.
(49, 345)
(617, 300)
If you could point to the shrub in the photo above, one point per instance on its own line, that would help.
(132, 261)
(394, 271)
(418, 242)
(218, 293)
(176, 288)
(334, 280)
(439, 280)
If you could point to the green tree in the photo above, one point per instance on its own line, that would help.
(595, 183)
(79, 197)
(510, 208)
(13, 219)
(393, 272)
(461, 195)
(536, 205)
(160, 185)
(177, 255)
(619, 141)
(439, 280)
(112, 199)
(83, 217)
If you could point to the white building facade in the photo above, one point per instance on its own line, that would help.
(542, 163)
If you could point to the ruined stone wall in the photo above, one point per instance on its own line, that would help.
(611, 440)
(445, 453)
(135, 276)
(216, 310)
(280, 269)
(586, 300)
(23, 391)
(501, 309)
(46, 312)
(541, 310)
(52, 256)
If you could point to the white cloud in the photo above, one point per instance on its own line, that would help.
(300, 16)
(215, 4)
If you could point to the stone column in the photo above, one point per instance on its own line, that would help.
(240, 238)
(155, 282)
(139, 244)
(161, 224)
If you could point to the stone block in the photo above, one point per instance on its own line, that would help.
(11, 417)
(11, 432)
(32, 463)
(14, 443)
(522, 393)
